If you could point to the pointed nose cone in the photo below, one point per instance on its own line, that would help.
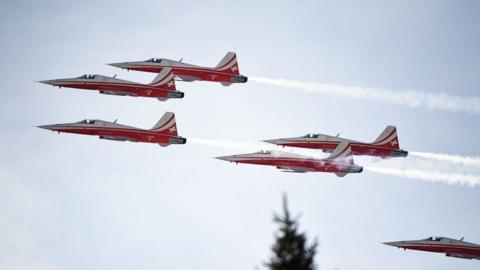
(119, 65)
(274, 141)
(226, 158)
(50, 82)
(393, 244)
(48, 127)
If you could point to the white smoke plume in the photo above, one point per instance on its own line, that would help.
(409, 98)
(453, 159)
(427, 175)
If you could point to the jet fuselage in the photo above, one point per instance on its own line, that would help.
(114, 86)
(113, 131)
(293, 162)
(328, 143)
(451, 247)
(227, 72)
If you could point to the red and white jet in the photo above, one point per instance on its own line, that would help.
(226, 72)
(339, 162)
(451, 247)
(386, 145)
(162, 87)
(163, 133)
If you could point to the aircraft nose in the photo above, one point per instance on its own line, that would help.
(119, 65)
(275, 141)
(226, 158)
(393, 244)
(50, 82)
(48, 127)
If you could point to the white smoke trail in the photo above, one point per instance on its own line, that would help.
(432, 176)
(453, 159)
(409, 98)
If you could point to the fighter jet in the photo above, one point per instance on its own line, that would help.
(162, 87)
(226, 72)
(339, 162)
(451, 247)
(386, 145)
(163, 133)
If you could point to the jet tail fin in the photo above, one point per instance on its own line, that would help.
(166, 125)
(343, 153)
(229, 64)
(388, 138)
(164, 79)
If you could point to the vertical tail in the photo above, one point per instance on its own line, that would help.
(343, 153)
(164, 79)
(166, 125)
(388, 138)
(229, 64)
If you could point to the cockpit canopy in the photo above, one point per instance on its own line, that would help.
(155, 60)
(88, 122)
(86, 76)
(263, 152)
(433, 238)
(311, 136)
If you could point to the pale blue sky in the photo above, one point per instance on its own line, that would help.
(76, 202)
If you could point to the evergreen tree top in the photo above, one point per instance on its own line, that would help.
(290, 250)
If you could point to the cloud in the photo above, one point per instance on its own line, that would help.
(409, 98)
